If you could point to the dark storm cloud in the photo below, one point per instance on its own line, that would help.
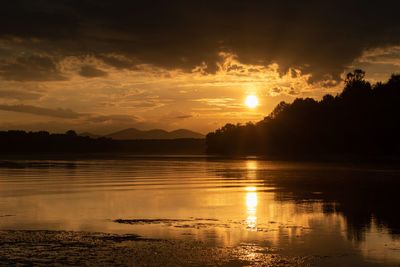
(91, 72)
(31, 68)
(318, 37)
(58, 113)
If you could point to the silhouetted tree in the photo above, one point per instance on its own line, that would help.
(71, 133)
(362, 120)
(356, 88)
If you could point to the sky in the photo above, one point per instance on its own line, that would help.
(102, 66)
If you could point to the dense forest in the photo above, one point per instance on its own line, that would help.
(362, 120)
(21, 142)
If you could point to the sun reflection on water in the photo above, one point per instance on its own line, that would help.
(251, 165)
(251, 203)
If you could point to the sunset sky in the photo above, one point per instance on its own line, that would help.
(102, 66)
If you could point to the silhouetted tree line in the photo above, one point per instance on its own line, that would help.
(362, 120)
(21, 141)
(17, 142)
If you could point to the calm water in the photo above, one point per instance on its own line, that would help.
(296, 208)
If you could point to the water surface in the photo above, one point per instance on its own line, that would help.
(329, 210)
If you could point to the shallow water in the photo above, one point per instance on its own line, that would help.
(329, 210)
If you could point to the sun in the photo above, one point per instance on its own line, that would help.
(251, 101)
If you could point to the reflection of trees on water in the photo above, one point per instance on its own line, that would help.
(364, 197)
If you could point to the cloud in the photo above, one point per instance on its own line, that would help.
(215, 101)
(275, 91)
(19, 95)
(69, 114)
(292, 92)
(226, 103)
(115, 118)
(144, 103)
(382, 56)
(317, 37)
(59, 113)
(91, 72)
(184, 117)
(118, 61)
(31, 68)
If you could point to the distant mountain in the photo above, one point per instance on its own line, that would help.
(90, 135)
(132, 133)
(183, 133)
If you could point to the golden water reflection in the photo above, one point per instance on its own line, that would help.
(223, 202)
(251, 204)
(251, 196)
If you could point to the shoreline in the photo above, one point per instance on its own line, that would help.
(28, 160)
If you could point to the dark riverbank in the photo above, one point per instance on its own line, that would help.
(37, 143)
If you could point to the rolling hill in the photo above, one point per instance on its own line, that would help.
(132, 134)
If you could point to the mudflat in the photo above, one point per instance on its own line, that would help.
(44, 248)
